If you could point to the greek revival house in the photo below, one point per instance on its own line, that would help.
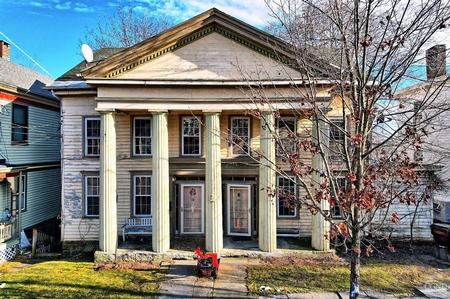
(146, 146)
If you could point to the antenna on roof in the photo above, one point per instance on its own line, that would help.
(87, 53)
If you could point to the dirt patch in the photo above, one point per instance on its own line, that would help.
(130, 265)
(304, 260)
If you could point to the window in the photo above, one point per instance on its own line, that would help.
(23, 194)
(92, 137)
(337, 138)
(191, 136)
(341, 185)
(240, 135)
(286, 195)
(142, 136)
(19, 124)
(92, 196)
(287, 136)
(142, 195)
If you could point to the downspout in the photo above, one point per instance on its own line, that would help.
(19, 205)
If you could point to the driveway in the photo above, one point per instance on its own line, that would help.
(181, 281)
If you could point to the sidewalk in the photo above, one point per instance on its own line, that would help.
(181, 281)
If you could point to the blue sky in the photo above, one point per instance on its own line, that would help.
(50, 31)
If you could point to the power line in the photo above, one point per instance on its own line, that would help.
(26, 54)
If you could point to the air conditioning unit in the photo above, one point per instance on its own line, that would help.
(441, 210)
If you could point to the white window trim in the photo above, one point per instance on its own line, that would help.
(199, 136)
(202, 229)
(278, 201)
(229, 186)
(86, 196)
(134, 195)
(86, 137)
(134, 136)
(248, 135)
(23, 196)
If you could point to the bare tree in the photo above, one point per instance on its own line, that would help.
(363, 157)
(125, 28)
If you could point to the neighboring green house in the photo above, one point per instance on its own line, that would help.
(30, 167)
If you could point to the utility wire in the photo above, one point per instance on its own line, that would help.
(26, 54)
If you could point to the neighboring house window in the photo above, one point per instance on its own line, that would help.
(337, 138)
(286, 196)
(92, 196)
(287, 136)
(341, 184)
(92, 136)
(142, 199)
(240, 135)
(23, 194)
(19, 124)
(142, 136)
(191, 136)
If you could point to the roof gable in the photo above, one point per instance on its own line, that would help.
(213, 57)
(211, 21)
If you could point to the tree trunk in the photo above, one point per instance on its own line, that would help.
(355, 264)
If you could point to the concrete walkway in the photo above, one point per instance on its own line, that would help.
(181, 281)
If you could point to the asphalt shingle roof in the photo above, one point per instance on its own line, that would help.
(25, 78)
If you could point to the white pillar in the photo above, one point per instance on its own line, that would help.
(108, 195)
(213, 182)
(267, 176)
(160, 183)
(320, 227)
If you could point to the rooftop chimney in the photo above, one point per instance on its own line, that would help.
(4, 49)
(436, 61)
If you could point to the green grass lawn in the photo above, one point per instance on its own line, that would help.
(72, 279)
(310, 273)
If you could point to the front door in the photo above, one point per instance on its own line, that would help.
(192, 209)
(239, 212)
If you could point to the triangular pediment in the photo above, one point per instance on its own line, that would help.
(213, 57)
(212, 45)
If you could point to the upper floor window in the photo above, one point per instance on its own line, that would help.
(191, 136)
(92, 136)
(240, 135)
(19, 124)
(341, 185)
(142, 136)
(91, 196)
(286, 196)
(142, 198)
(337, 139)
(287, 132)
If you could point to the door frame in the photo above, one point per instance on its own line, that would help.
(249, 188)
(202, 186)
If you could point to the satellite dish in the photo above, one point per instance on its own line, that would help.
(87, 53)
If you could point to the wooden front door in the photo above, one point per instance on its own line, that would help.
(239, 209)
(192, 209)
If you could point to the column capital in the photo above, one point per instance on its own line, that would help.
(212, 111)
(158, 111)
(105, 110)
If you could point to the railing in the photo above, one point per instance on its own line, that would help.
(6, 231)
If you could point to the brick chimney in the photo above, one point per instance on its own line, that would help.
(436, 61)
(4, 50)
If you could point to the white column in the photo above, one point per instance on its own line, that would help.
(108, 195)
(267, 205)
(320, 227)
(160, 183)
(213, 184)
